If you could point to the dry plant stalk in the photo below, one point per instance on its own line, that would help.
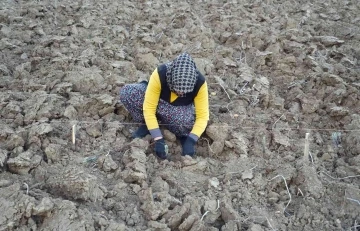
(350, 199)
(204, 215)
(277, 120)
(342, 178)
(74, 134)
(27, 188)
(207, 141)
(306, 148)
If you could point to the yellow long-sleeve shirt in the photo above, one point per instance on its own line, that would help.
(152, 96)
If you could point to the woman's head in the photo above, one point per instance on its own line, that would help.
(181, 74)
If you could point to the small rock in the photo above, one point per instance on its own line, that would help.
(93, 130)
(218, 131)
(53, 152)
(5, 183)
(24, 56)
(113, 226)
(158, 226)
(105, 111)
(70, 112)
(147, 61)
(309, 104)
(14, 141)
(105, 99)
(139, 143)
(188, 222)
(169, 136)
(312, 184)
(40, 129)
(231, 225)
(332, 80)
(278, 103)
(135, 169)
(4, 69)
(328, 40)
(273, 197)
(339, 111)
(44, 208)
(214, 182)
(3, 156)
(203, 65)
(289, 158)
(241, 143)
(217, 147)
(229, 144)
(159, 185)
(248, 174)
(200, 166)
(229, 62)
(256, 227)
(107, 163)
(187, 161)
(281, 138)
(326, 157)
(72, 182)
(228, 213)
(24, 162)
(213, 211)
(86, 80)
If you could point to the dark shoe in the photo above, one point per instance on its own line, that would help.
(141, 132)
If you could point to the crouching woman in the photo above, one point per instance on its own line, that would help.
(176, 95)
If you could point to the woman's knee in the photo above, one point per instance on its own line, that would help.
(130, 92)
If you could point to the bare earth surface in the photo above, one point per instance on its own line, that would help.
(277, 70)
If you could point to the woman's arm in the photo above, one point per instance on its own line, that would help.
(152, 96)
(201, 103)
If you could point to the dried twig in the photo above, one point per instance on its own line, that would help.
(342, 178)
(277, 120)
(242, 89)
(311, 157)
(355, 226)
(208, 142)
(218, 205)
(73, 133)
(287, 188)
(102, 215)
(269, 224)
(350, 199)
(299, 191)
(306, 147)
(254, 101)
(227, 107)
(225, 91)
(204, 215)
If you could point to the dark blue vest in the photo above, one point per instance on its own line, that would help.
(180, 101)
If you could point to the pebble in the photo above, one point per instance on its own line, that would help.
(5, 183)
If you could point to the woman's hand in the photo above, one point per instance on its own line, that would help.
(161, 148)
(188, 146)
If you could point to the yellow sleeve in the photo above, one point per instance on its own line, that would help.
(201, 103)
(152, 96)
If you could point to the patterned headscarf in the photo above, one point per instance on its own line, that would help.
(181, 74)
